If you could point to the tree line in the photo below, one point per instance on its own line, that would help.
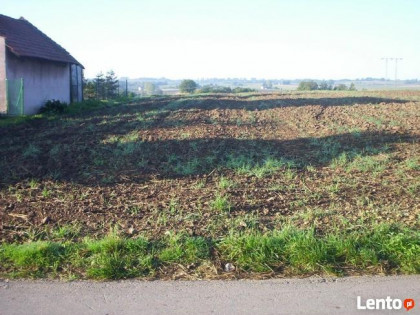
(310, 85)
(103, 87)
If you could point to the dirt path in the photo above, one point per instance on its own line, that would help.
(296, 296)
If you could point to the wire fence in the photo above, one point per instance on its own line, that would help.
(15, 100)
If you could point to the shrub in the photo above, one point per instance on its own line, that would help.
(307, 86)
(53, 107)
(341, 87)
(324, 85)
(215, 89)
(242, 90)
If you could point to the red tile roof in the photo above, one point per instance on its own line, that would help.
(25, 40)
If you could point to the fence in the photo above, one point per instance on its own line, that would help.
(15, 101)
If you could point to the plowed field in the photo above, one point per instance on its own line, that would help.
(208, 164)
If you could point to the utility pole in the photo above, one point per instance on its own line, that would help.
(386, 66)
(396, 67)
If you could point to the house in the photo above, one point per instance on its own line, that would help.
(34, 69)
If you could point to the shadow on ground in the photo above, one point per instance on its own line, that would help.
(87, 161)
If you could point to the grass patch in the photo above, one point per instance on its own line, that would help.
(247, 165)
(385, 248)
(74, 108)
(221, 203)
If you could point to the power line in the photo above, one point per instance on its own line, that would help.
(386, 66)
(396, 67)
(396, 59)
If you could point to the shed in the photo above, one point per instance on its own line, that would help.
(34, 69)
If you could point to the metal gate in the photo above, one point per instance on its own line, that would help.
(15, 104)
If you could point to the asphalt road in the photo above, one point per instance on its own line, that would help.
(285, 296)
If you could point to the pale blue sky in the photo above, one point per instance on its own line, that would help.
(228, 38)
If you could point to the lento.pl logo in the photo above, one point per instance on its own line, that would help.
(385, 304)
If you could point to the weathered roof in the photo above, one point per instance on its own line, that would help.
(25, 40)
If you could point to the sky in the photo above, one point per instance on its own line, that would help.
(271, 39)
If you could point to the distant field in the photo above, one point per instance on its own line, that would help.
(360, 85)
(176, 187)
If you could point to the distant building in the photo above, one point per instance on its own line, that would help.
(34, 69)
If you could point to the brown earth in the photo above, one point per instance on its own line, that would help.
(329, 160)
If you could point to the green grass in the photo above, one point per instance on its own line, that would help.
(31, 151)
(224, 183)
(246, 165)
(74, 108)
(303, 252)
(385, 248)
(221, 203)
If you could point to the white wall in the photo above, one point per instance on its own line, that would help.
(3, 98)
(43, 80)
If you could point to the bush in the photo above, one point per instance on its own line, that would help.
(307, 86)
(188, 86)
(324, 85)
(223, 89)
(215, 89)
(242, 90)
(341, 87)
(53, 107)
(352, 87)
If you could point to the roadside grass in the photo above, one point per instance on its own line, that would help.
(384, 248)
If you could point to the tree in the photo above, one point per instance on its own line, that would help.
(341, 87)
(267, 85)
(150, 88)
(188, 86)
(111, 85)
(308, 85)
(324, 86)
(99, 86)
(89, 90)
(352, 87)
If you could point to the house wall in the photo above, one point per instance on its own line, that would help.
(43, 80)
(3, 98)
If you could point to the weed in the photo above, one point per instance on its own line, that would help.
(33, 183)
(66, 232)
(200, 184)
(133, 210)
(224, 183)
(412, 163)
(187, 168)
(173, 206)
(31, 151)
(221, 203)
(46, 193)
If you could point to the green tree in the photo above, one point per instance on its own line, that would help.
(267, 85)
(307, 85)
(352, 87)
(111, 85)
(89, 90)
(99, 82)
(324, 86)
(188, 86)
(341, 87)
(150, 88)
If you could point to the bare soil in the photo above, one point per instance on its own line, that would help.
(159, 165)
